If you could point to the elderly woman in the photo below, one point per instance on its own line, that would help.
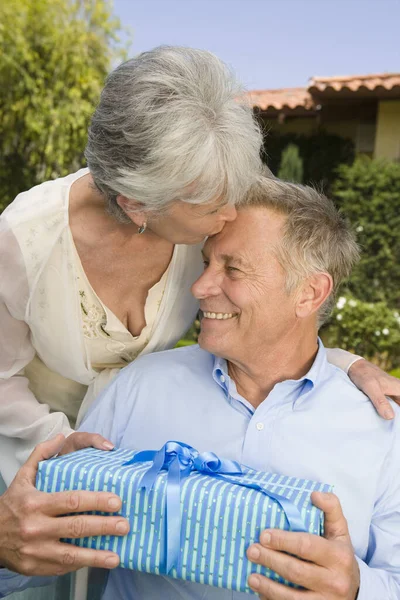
(85, 290)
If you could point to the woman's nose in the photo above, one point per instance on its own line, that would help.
(229, 212)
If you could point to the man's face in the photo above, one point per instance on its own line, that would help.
(245, 306)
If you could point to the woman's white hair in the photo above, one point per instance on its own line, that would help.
(172, 124)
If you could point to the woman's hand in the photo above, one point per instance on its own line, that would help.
(376, 384)
(81, 439)
(32, 523)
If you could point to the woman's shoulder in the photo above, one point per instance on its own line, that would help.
(43, 202)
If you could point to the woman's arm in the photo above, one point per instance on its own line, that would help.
(370, 379)
(21, 415)
(32, 523)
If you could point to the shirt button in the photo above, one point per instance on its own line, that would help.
(222, 378)
(260, 426)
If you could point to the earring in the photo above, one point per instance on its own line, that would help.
(142, 228)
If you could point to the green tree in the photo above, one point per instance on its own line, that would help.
(54, 57)
(291, 168)
(368, 192)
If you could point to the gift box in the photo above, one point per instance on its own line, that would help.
(192, 516)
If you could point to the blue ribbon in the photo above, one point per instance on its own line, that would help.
(180, 460)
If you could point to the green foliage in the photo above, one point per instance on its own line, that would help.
(369, 329)
(368, 192)
(54, 57)
(291, 168)
(321, 154)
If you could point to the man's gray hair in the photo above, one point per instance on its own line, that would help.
(316, 239)
(168, 119)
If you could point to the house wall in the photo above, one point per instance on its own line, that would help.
(303, 125)
(351, 118)
(387, 142)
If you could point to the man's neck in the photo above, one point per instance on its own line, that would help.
(281, 362)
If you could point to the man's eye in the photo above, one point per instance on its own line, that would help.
(232, 269)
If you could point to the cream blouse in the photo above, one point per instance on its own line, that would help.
(108, 342)
(47, 379)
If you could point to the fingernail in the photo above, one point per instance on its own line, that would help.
(122, 527)
(254, 582)
(254, 552)
(265, 538)
(114, 503)
(111, 562)
(388, 413)
(108, 445)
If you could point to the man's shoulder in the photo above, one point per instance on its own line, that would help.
(336, 387)
(179, 360)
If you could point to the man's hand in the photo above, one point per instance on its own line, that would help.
(31, 524)
(81, 439)
(325, 567)
(376, 384)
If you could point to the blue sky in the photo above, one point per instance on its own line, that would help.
(274, 43)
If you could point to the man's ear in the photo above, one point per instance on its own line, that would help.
(313, 294)
(132, 209)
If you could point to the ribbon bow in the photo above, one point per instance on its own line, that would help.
(180, 460)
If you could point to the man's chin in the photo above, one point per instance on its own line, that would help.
(211, 344)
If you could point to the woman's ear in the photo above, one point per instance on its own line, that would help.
(132, 209)
(313, 294)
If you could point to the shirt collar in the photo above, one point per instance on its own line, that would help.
(305, 383)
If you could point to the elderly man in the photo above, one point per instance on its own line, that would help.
(260, 390)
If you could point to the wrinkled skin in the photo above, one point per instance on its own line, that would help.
(31, 523)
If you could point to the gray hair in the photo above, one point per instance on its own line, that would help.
(168, 119)
(316, 238)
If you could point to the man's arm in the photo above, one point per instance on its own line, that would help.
(31, 525)
(11, 582)
(380, 573)
(331, 570)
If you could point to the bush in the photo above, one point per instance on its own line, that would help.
(291, 168)
(369, 329)
(368, 192)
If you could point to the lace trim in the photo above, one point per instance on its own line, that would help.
(94, 319)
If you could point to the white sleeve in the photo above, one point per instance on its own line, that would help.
(341, 358)
(21, 415)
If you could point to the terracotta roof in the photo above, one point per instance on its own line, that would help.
(285, 97)
(353, 83)
(308, 98)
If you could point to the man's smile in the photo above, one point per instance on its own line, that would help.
(218, 315)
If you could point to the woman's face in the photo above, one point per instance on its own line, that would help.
(184, 223)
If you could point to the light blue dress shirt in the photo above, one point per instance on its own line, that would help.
(318, 427)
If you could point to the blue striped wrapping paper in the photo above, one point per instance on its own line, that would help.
(219, 520)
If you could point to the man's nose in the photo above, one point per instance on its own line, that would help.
(206, 285)
(229, 212)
